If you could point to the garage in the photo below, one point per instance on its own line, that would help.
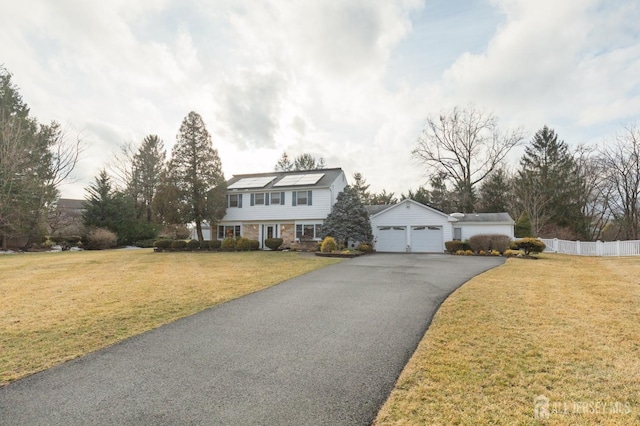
(392, 239)
(426, 239)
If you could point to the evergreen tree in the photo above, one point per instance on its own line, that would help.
(147, 167)
(196, 170)
(548, 169)
(348, 220)
(384, 197)
(307, 162)
(440, 196)
(522, 227)
(361, 187)
(284, 164)
(495, 193)
(421, 195)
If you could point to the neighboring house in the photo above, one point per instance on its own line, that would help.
(66, 218)
(411, 227)
(287, 205)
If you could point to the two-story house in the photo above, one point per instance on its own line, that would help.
(287, 205)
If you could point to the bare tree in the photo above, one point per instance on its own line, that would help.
(595, 191)
(466, 145)
(621, 162)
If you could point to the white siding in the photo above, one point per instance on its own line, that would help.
(414, 215)
(322, 200)
(471, 229)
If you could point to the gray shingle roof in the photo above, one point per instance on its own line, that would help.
(485, 218)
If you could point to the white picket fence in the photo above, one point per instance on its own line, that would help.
(597, 248)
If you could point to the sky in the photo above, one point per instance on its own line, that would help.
(351, 81)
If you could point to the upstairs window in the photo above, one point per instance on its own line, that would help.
(277, 198)
(302, 198)
(234, 200)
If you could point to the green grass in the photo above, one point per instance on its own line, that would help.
(564, 327)
(58, 306)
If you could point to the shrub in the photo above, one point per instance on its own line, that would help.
(145, 243)
(214, 244)
(500, 243)
(273, 243)
(162, 244)
(364, 248)
(495, 253)
(101, 239)
(522, 228)
(193, 245)
(488, 242)
(531, 245)
(482, 253)
(460, 252)
(469, 252)
(204, 244)
(453, 246)
(228, 244)
(242, 244)
(178, 245)
(328, 245)
(254, 244)
(511, 253)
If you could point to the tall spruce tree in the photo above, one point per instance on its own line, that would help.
(362, 187)
(495, 193)
(348, 220)
(548, 169)
(196, 170)
(147, 167)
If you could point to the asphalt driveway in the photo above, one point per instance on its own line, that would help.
(322, 349)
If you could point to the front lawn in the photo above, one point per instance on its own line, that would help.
(563, 328)
(58, 306)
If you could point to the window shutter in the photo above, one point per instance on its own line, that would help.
(239, 200)
(282, 198)
(293, 198)
(228, 197)
(266, 199)
(309, 198)
(252, 199)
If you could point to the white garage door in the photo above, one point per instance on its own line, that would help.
(392, 239)
(426, 239)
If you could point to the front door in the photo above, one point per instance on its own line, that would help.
(268, 231)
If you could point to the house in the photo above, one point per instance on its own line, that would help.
(287, 205)
(411, 227)
(66, 218)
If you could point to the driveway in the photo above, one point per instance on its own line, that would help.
(322, 349)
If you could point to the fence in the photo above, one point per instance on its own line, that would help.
(597, 248)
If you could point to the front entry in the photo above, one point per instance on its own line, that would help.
(268, 231)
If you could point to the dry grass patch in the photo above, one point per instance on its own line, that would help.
(563, 327)
(58, 306)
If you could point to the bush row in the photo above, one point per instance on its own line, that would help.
(495, 244)
(228, 244)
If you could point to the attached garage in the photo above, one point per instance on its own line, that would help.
(409, 227)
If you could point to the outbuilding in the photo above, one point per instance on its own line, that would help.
(412, 227)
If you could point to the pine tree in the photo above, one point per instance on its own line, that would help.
(523, 226)
(548, 169)
(147, 167)
(361, 187)
(348, 220)
(284, 164)
(495, 193)
(196, 169)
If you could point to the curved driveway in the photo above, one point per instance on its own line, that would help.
(322, 349)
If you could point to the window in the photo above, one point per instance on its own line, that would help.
(234, 200)
(228, 231)
(259, 199)
(457, 234)
(301, 198)
(308, 231)
(277, 198)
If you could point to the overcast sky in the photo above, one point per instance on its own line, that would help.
(348, 80)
